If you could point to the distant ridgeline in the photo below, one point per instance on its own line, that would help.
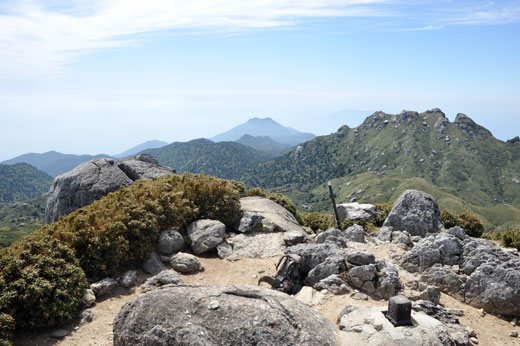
(459, 162)
(22, 181)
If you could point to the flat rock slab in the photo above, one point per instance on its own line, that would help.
(278, 216)
(216, 315)
(258, 245)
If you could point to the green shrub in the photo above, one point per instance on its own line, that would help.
(7, 326)
(239, 187)
(318, 221)
(511, 238)
(385, 210)
(120, 229)
(366, 224)
(256, 191)
(41, 283)
(449, 218)
(285, 202)
(469, 222)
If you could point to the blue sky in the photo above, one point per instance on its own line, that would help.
(104, 75)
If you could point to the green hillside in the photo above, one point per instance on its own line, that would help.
(460, 162)
(263, 143)
(224, 159)
(21, 218)
(21, 181)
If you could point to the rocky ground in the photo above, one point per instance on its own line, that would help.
(490, 330)
(347, 277)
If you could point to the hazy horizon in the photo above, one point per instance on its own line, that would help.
(101, 76)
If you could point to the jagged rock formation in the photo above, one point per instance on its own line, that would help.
(415, 212)
(215, 315)
(94, 179)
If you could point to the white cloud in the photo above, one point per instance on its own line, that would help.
(43, 36)
(40, 39)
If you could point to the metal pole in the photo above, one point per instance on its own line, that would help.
(336, 216)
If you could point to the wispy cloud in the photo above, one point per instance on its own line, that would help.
(37, 38)
(41, 37)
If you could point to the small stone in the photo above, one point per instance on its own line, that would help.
(103, 287)
(86, 316)
(513, 334)
(359, 296)
(89, 298)
(378, 326)
(185, 263)
(471, 333)
(456, 312)
(233, 258)
(128, 279)
(474, 340)
(224, 250)
(60, 333)
(213, 305)
(482, 312)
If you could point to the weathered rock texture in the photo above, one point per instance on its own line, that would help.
(94, 179)
(272, 216)
(206, 235)
(213, 315)
(472, 270)
(356, 211)
(415, 212)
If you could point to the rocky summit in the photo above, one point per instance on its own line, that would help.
(96, 178)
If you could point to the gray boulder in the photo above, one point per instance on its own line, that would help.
(361, 258)
(103, 287)
(333, 284)
(224, 250)
(272, 216)
(258, 244)
(94, 179)
(432, 294)
(153, 264)
(185, 263)
(415, 212)
(332, 235)
(128, 279)
(170, 241)
(331, 265)
(388, 283)
(363, 278)
(355, 233)
(166, 277)
(314, 254)
(213, 315)
(356, 211)
(206, 235)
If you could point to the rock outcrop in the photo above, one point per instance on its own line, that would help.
(94, 179)
(472, 270)
(356, 211)
(415, 212)
(215, 315)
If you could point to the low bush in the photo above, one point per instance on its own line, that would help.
(511, 238)
(318, 221)
(285, 202)
(41, 284)
(120, 229)
(469, 222)
(7, 326)
(385, 210)
(256, 191)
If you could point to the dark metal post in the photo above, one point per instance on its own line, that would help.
(336, 217)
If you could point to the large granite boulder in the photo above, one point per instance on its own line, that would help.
(272, 216)
(356, 211)
(474, 271)
(216, 315)
(94, 179)
(415, 212)
(206, 235)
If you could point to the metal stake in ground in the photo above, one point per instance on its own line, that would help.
(334, 205)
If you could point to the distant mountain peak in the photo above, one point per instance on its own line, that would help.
(264, 127)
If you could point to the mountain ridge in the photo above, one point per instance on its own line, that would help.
(264, 127)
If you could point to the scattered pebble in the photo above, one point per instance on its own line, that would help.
(473, 340)
(457, 312)
(514, 334)
(482, 312)
(60, 333)
(213, 305)
(359, 296)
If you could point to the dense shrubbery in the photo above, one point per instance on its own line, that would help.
(318, 221)
(469, 222)
(256, 191)
(7, 326)
(41, 282)
(285, 202)
(511, 238)
(42, 276)
(122, 228)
